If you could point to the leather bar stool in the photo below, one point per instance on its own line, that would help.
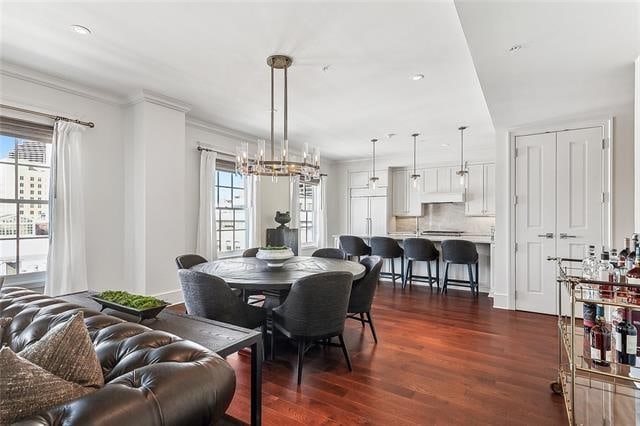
(421, 250)
(460, 252)
(388, 248)
(354, 246)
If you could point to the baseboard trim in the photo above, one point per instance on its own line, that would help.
(501, 301)
(482, 289)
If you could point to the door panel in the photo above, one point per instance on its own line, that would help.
(378, 215)
(535, 222)
(358, 214)
(580, 188)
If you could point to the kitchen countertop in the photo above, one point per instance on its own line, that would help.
(474, 238)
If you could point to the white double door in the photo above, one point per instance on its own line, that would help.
(368, 215)
(560, 208)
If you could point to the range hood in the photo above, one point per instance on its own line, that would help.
(442, 197)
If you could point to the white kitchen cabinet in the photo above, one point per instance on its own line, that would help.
(444, 179)
(368, 215)
(429, 180)
(480, 191)
(490, 189)
(405, 198)
(359, 179)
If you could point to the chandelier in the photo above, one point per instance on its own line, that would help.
(308, 168)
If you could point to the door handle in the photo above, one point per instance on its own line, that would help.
(564, 236)
(547, 235)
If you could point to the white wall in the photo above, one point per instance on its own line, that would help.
(102, 156)
(622, 197)
(637, 143)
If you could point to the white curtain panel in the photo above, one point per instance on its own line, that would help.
(66, 262)
(321, 212)
(206, 244)
(253, 211)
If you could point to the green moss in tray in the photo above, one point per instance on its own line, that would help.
(134, 301)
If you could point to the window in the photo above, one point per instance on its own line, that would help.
(25, 155)
(231, 224)
(307, 204)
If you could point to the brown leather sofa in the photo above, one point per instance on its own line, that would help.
(151, 377)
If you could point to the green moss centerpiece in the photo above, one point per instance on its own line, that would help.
(144, 307)
(274, 256)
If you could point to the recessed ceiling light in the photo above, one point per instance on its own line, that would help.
(417, 77)
(79, 29)
(326, 68)
(390, 135)
(515, 48)
(444, 145)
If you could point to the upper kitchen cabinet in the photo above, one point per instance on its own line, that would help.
(444, 179)
(405, 197)
(429, 180)
(480, 192)
(360, 179)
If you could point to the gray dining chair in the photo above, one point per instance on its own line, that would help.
(188, 261)
(211, 297)
(362, 292)
(315, 311)
(329, 253)
(250, 252)
(460, 252)
(354, 246)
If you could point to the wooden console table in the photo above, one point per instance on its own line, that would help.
(223, 339)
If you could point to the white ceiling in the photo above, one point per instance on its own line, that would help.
(576, 57)
(212, 56)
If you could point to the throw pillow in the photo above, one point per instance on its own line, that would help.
(67, 351)
(26, 389)
(4, 324)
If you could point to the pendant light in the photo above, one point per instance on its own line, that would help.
(462, 172)
(373, 179)
(415, 176)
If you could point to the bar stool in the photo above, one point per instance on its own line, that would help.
(354, 246)
(460, 252)
(388, 248)
(421, 250)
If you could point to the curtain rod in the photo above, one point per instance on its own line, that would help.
(202, 148)
(51, 116)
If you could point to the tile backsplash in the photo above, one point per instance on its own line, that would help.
(445, 217)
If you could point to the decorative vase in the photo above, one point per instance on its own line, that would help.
(283, 219)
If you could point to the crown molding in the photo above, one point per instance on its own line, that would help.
(145, 95)
(218, 129)
(32, 76)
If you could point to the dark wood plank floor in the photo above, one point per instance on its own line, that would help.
(440, 360)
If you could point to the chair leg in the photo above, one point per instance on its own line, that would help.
(300, 358)
(471, 282)
(429, 274)
(477, 278)
(401, 269)
(273, 342)
(446, 278)
(362, 319)
(410, 272)
(345, 352)
(373, 328)
(438, 273)
(393, 272)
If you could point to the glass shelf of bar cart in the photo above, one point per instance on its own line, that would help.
(595, 391)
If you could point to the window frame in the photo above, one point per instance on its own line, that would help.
(218, 212)
(310, 215)
(20, 208)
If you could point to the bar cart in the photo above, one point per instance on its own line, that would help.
(594, 394)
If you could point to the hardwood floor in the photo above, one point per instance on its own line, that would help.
(440, 360)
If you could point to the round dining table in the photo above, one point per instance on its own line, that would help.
(250, 273)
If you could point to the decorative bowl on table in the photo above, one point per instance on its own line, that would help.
(274, 256)
(143, 307)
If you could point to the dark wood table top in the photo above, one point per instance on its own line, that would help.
(223, 339)
(254, 274)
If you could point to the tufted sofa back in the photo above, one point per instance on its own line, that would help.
(155, 376)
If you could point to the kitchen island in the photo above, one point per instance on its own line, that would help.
(484, 244)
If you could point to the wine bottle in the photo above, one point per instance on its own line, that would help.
(626, 340)
(600, 340)
(633, 277)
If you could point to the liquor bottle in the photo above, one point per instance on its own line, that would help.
(605, 273)
(600, 340)
(624, 252)
(621, 277)
(589, 263)
(633, 277)
(613, 258)
(588, 309)
(626, 341)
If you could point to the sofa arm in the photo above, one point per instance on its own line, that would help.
(167, 393)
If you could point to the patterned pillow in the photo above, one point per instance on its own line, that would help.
(4, 324)
(27, 389)
(67, 351)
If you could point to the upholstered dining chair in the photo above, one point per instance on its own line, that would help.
(421, 250)
(354, 246)
(211, 297)
(362, 292)
(388, 248)
(460, 252)
(329, 253)
(250, 252)
(315, 311)
(188, 261)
